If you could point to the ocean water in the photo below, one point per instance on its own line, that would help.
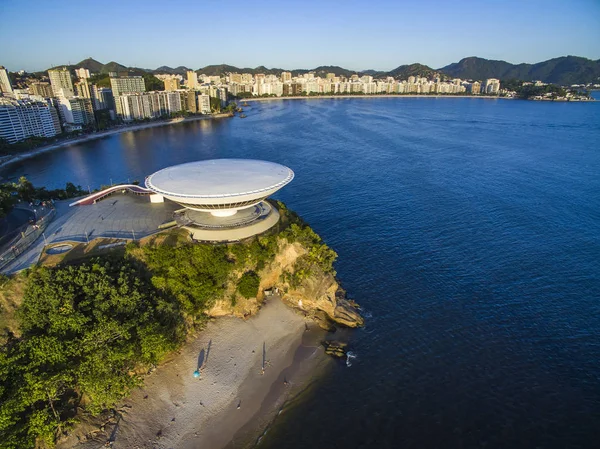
(469, 231)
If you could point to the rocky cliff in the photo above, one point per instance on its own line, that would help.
(316, 294)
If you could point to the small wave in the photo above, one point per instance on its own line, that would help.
(366, 314)
(261, 437)
(349, 357)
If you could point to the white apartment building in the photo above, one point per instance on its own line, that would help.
(76, 111)
(82, 73)
(5, 86)
(192, 80)
(204, 104)
(126, 84)
(491, 86)
(142, 105)
(60, 79)
(21, 119)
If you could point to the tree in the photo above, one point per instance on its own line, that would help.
(215, 104)
(248, 284)
(7, 199)
(84, 329)
(152, 82)
(25, 189)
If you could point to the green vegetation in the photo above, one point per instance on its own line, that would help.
(100, 80)
(248, 284)
(152, 82)
(24, 190)
(85, 332)
(530, 91)
(231, 107)
(25, 145)
(195, 275)
(215, 104)
(103, 119)
(7, 199)
(564, 71)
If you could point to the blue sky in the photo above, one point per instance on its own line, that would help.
(294, 34)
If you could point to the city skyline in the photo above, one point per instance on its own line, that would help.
(380, 38)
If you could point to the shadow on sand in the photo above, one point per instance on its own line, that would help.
(203, 357)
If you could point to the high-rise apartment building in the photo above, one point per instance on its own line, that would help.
(42, 89)
(5, 85)
(141, 105)
(491, 86)
(475, 88)
(82, 73)
(171, 84)
(235, 78)
(83, 88)
(192, 80)
(60, 79)
(126, 84)
(76, 111)
(204, 104)
(21, 119)
(189, 100)
(103, 98)
(286, 76)
(53, 107)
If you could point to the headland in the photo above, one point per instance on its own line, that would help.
(228, 332)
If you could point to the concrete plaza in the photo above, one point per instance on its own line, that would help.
(125, 216)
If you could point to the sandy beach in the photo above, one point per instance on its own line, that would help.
(233, 400)
(11, 159)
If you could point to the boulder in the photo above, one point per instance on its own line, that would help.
(335, 348)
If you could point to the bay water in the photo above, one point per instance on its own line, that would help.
(467, 229)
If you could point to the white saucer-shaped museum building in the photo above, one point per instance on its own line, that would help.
(223, 199)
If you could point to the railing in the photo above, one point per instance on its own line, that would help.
(23, 241)
(182, 219)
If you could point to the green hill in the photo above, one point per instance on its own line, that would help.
(404, 71)
(565, 70)
(91, 64)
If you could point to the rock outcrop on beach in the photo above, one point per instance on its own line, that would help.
(317, 295)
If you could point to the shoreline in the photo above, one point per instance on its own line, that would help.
(231, 402)
(99, 135)
(329, 97)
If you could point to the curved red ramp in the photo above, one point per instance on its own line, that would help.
(94, 197)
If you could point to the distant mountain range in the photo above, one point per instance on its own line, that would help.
(565, 70)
